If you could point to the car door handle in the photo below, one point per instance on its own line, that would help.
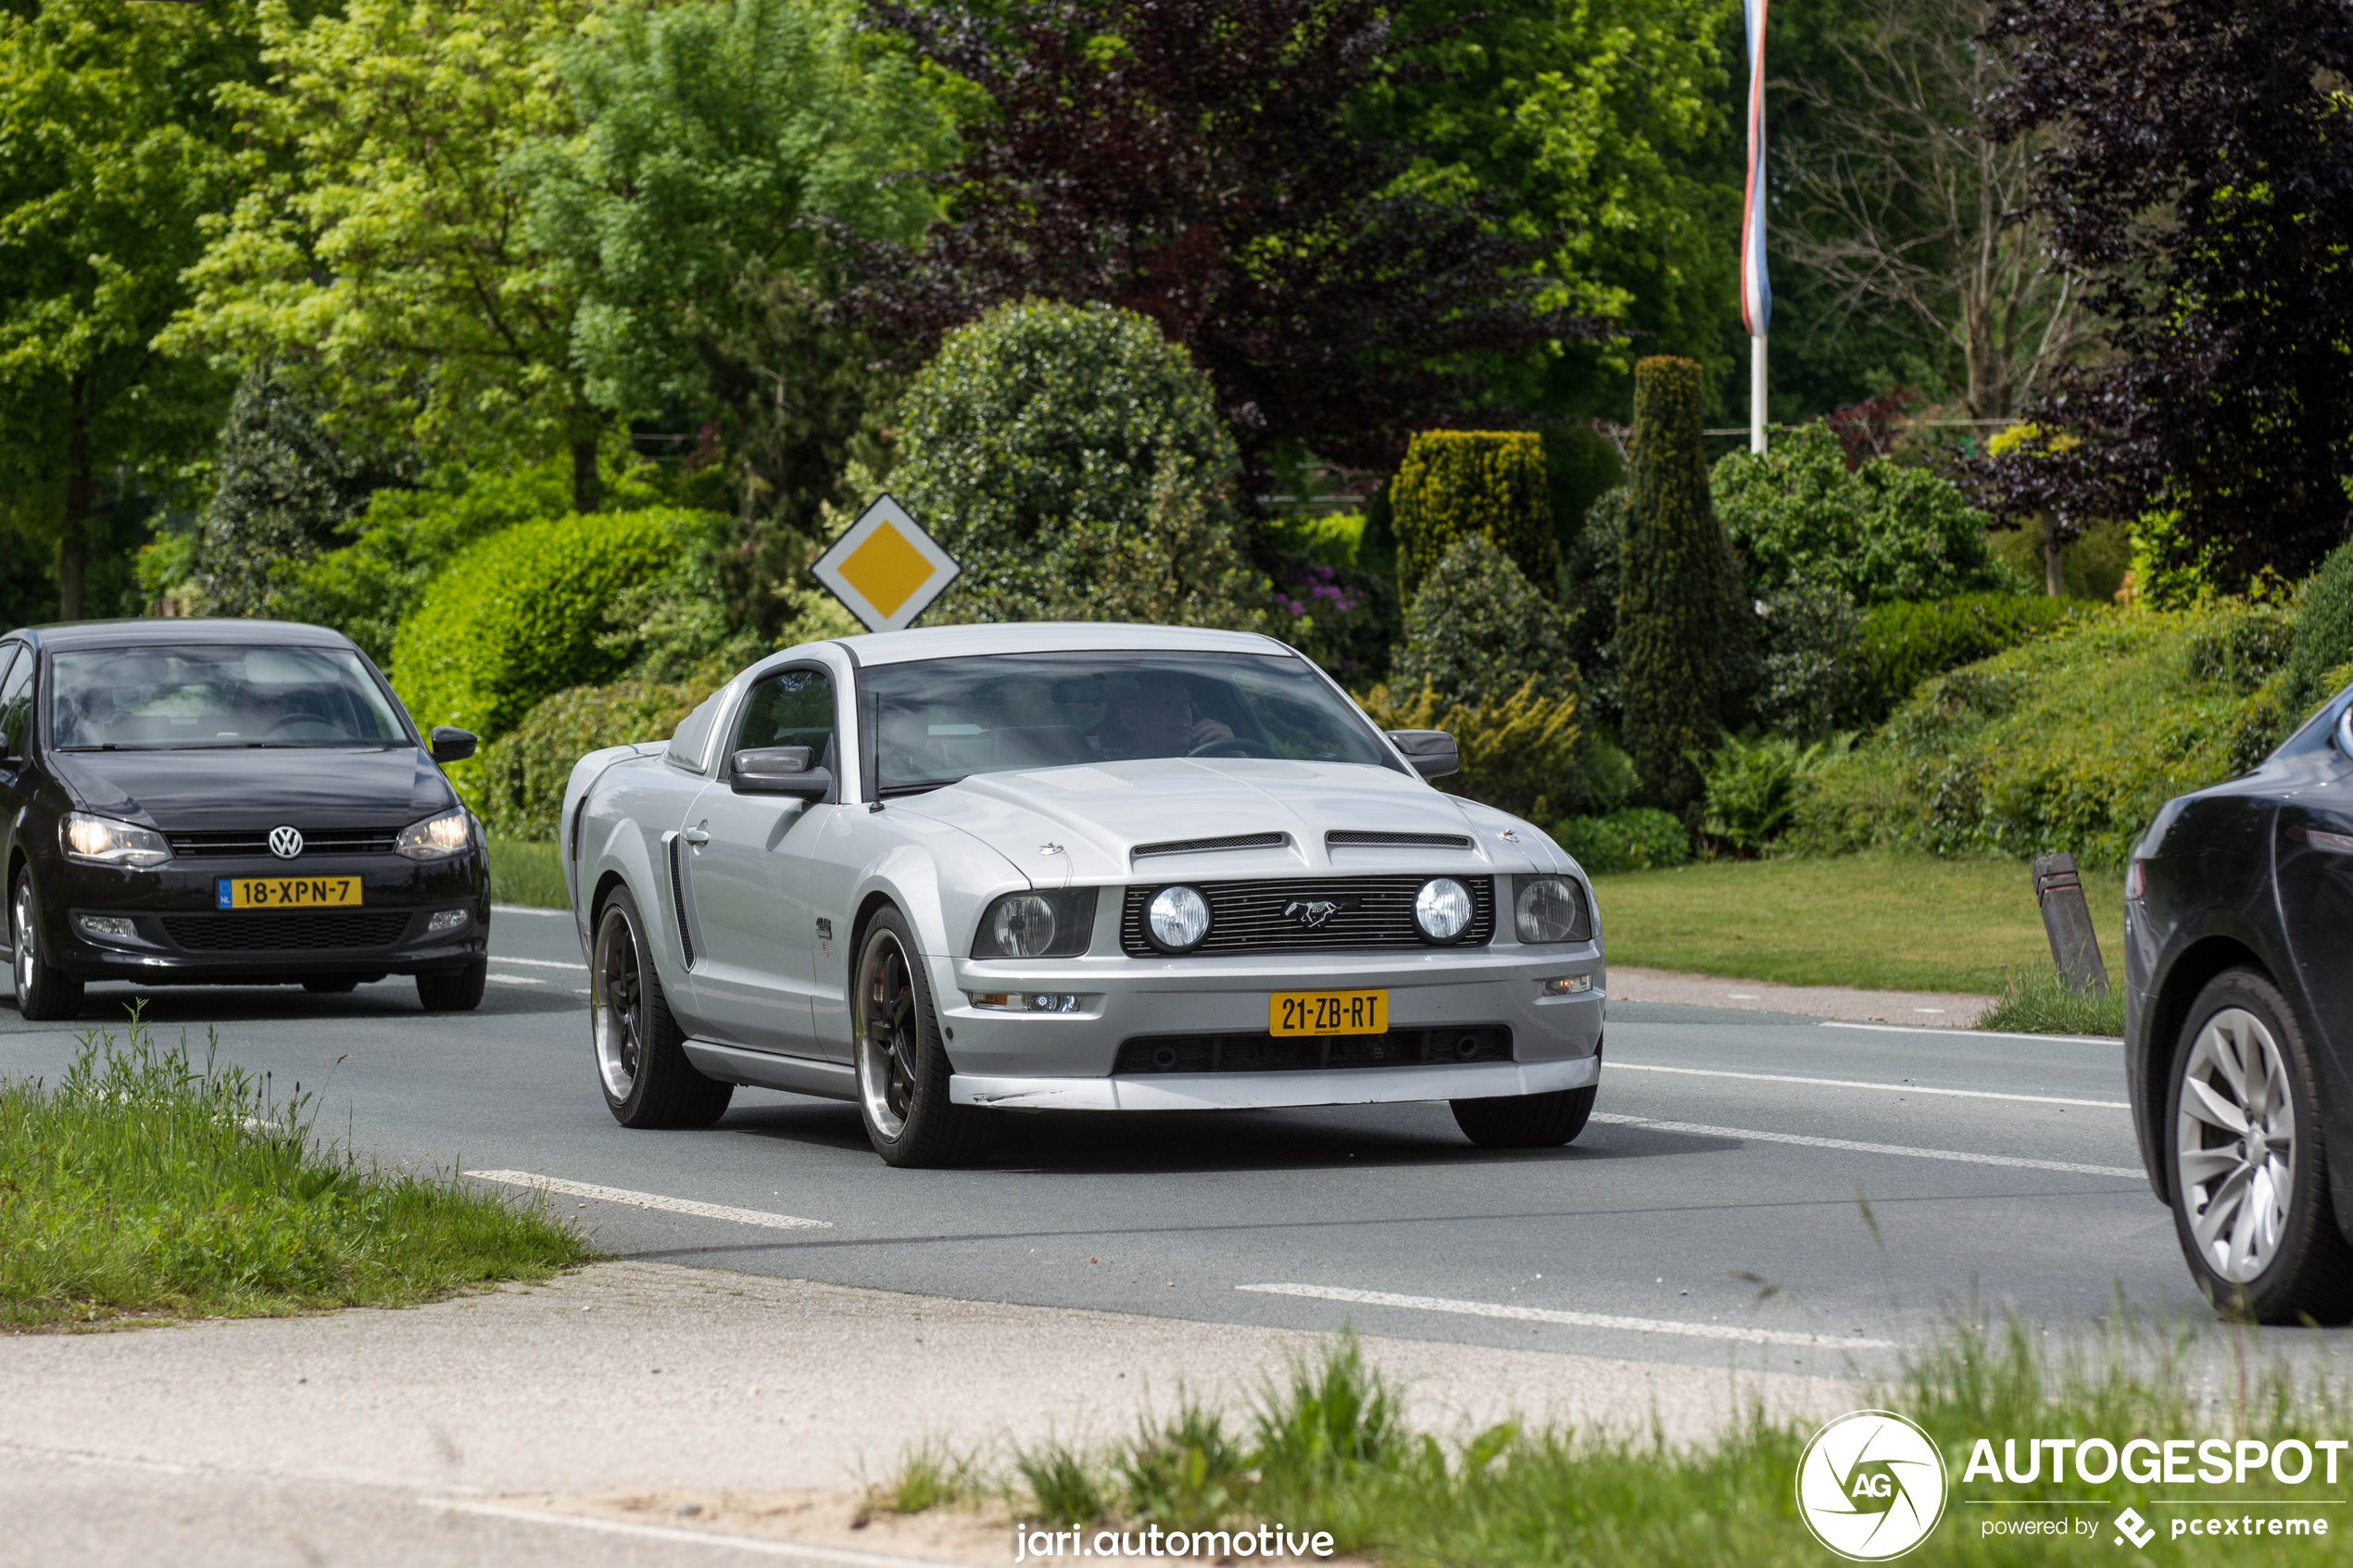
(696, 837)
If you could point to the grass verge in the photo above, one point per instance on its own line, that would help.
(525, 871)
(142, 1183)
(1326, 1450)
(1879, 920)
(2038, 1002)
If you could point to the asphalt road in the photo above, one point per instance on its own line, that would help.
(1771, 1190)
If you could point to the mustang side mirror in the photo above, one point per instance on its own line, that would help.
(452, 745)
(779, 769)
(1431, 752)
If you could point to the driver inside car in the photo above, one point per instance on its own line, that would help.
(1158, 720)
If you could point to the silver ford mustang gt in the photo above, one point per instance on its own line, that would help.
(1069, 868)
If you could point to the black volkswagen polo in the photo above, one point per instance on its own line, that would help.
(229, 802)
(2239, 953)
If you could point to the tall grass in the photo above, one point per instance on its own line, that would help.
(2036, 1001)
(526, 871)
(143, 1182)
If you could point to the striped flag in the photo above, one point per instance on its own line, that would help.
(1756, 292)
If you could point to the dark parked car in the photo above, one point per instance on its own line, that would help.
(229, 802)
(2238, 955)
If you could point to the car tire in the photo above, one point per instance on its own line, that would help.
(334, 984)
(902, 1063)
(454, 990)
(640, 1052)
(1545, 1121)
(43, 993)
(2242, 1066)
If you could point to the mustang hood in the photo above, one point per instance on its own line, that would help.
(1087, 823)
(205, 790)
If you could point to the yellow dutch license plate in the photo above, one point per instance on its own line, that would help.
(285, 892)
(1327, 1012)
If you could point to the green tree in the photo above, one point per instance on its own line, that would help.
(112, 148)
(1672, 601)
(392, 247)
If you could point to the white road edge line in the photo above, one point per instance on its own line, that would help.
(1751, 1135)
(1553, 1315)
(528, 910)
(652, 1200)
(540, 963)
(1948, 1033)
(1853, 1084)
(791, 1550)
(518, 979)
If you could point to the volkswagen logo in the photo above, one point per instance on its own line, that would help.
(285, 843)
(1313, 912)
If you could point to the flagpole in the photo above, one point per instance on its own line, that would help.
(1756, 292)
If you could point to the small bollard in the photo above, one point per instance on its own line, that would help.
(2075, 945)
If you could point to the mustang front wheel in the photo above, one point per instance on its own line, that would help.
(641, 1058)
(903, 1066)
(2249, 1176)
(1545, 1121)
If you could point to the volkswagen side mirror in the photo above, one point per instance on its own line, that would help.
(779, 769)
(1431, 752)
(453, 745)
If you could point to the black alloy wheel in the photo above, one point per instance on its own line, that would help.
(641, 1058)
(902, 1064)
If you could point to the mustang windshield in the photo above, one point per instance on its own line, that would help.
(939, 720)
(146, 698)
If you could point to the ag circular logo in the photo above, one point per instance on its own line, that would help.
(1870, 1485)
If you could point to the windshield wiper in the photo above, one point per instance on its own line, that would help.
(890, 790)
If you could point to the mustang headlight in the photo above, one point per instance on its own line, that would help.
(1177, 918)
(1051, 925)
(435, 838)
(110, 843)
(1550, 909)
(1442, 908)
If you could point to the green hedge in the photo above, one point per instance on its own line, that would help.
(1638, 838)
(1907, 642)
(2323, 631)
(516, 617)
(517, 787)
(1454, 483)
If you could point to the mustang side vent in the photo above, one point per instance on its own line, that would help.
(678, 897)
(1202, 846)
(1343, 838)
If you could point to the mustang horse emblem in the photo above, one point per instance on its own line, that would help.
(1313, 912)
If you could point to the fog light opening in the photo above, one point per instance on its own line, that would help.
(1025, 1001)
(1569, 985)
(106, 928)
(1165, 1059)
(445, 919)
(1466, 1047)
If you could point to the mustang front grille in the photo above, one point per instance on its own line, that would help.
(1311, 914)
(1263, 1052)
(287, 933)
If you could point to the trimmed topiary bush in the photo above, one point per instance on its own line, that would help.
(1520, 752)
(518, 782)
(2323, 632)
(1458, 483)
(1881, 532)
(1071, 459)
(517, 617)
(1672, 596)
(1905, 643)
(1479, 630)
(1636, 838)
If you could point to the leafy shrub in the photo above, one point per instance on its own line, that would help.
(1753, 785)
(1456, 484)
(517, 783)
(1479, 630)
(2323, 631)
(1635, 838)
(1673, 587)
(1880, 532)
(1071, 459)
(1904, 643)
(1588, 597)
(515, 617)
(2071, 742)
(1519, 754)
(1812, 648)
(2240, 652)
(1340, 616)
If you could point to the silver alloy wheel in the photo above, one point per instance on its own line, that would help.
(21, 934)
(616, 1007)
(888, 1033)
(2234, 1145)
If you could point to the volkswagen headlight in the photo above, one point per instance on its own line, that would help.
(1177, 918)
(435, 838)
(105, 841)
(1051, 925)
(1550, 909)
(1442, 908)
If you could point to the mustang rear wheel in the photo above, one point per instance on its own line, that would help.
(1545, 1121)
(2248, 1173)
(903, 1066)
(42, 992)
(641, 1056)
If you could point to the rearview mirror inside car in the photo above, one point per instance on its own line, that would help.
(1431, 752)
(779, 769)
(453, 745)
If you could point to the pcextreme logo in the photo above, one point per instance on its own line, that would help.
(1870, 1485)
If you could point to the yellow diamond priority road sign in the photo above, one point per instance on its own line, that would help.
(887, 569)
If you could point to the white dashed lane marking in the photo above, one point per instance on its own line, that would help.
(1856, 1084)
(1751, 1135)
